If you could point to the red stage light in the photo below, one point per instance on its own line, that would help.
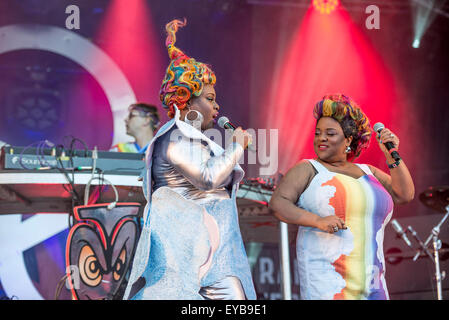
(327, 54)
(325, 6)
(130, 38)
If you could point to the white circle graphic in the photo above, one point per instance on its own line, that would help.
(115, 85)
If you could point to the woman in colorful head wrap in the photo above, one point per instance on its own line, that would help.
(185, 77)
(190, 246)
(342, 207)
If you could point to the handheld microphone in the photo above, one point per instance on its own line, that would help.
(224, 123)
(400, 232)
(378, 127)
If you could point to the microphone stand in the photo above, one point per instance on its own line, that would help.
(421, 244)
(436, 247)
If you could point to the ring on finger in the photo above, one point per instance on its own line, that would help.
(335, 228)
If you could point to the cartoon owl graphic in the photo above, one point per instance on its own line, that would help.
(99, 249)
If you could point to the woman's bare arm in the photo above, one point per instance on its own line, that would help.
(399, 183)
(283, 201)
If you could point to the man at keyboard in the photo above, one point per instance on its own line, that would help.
(141, 124)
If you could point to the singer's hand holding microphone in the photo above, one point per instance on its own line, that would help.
(388, 141)
(239, 135)
(242, 137)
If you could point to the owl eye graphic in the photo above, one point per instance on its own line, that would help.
(119, 267)
(101, 245)
(90, 268)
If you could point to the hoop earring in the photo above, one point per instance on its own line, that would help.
(196, 122)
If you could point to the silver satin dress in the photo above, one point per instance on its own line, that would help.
(180, 166)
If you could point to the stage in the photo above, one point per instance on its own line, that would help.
(71, 70)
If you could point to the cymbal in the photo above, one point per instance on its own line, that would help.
(436, 198)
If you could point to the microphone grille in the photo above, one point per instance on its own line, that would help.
(396, 225)
(222, 121)
(378, 126)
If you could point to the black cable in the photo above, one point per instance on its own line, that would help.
(40, 152)
(101, 183)
(39, 146)
(59, 287)
(72, 143)
(73, 192)
(22, 153)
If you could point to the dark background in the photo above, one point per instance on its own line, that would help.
(239, 39)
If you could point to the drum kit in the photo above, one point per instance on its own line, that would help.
(437, 199)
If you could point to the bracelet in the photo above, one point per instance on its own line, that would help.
(394, 164)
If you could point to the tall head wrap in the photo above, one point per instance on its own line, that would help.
(352, 120)
(185, 77)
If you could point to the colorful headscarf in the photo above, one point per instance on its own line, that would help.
(351, 118)
(184, 76)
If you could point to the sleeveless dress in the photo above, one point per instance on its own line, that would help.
(348, 264)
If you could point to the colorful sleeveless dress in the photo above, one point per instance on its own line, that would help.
(348, 264)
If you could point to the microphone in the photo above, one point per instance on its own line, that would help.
(400, 232)
(224, 123)
(422, 244)
(378, 127)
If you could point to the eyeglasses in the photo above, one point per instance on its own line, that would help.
(135, 114)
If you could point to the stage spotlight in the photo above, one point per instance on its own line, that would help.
(324, 48)
(129, 36)
(424, 13)
(325, 6)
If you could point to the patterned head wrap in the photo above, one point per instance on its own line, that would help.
(184, 76)
(352, 120)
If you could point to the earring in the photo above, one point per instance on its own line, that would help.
(348, 149)
(196, 121)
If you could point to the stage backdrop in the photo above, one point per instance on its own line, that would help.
(273, 61)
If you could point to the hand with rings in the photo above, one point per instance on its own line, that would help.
(387, 136)
(331, 224)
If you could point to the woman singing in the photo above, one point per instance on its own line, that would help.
(342, 207)
(191, 246)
